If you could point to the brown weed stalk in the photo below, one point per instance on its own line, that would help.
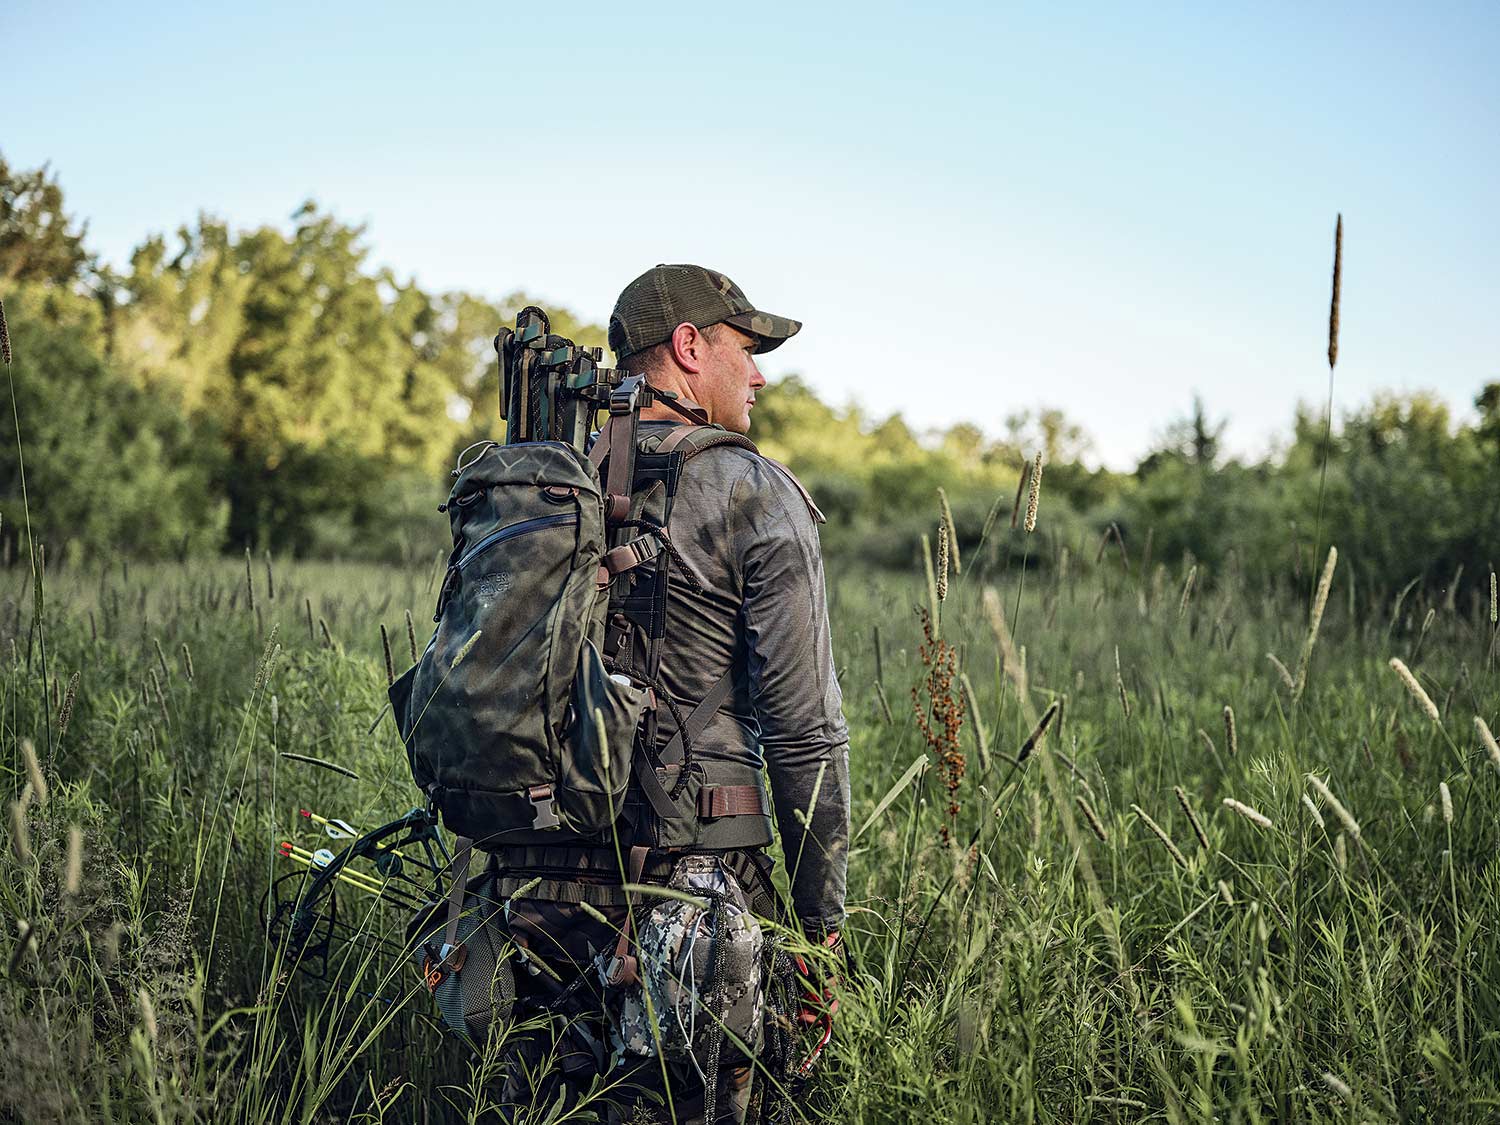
(941, 717)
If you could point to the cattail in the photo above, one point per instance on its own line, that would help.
(1015, 511)
(468, 647)
(1281, 670)
(1092, 817)
(249, 583)
(148, 1014)
(5, 356)
(1489, 741)
(20, 832)
(65, 713)
(34, 771)
(958, 566)
(1447, 799)
(1120, 685)
(1037, 732)
(1166, 841)
(1313, 809)
(1248, 813)
(73, 878)
(1338, 277)
(1225, 893)
(385, 647)
(1345, 817)
(1187, 590)
(1034, 494)
(1333, 1082)
(1416, 690)
(1192, 817)
(187, 661)
(942, 562)
(1231, 739)
(1320, 602)
(411, 636)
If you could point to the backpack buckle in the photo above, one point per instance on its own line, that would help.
(544, 815)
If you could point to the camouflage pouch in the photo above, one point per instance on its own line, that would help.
(699, 959)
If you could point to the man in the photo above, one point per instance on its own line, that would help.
(752, 602)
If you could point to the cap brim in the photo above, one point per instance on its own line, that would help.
(772, 331)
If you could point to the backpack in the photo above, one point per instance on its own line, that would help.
(531, 716)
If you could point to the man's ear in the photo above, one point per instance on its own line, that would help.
(689, 348)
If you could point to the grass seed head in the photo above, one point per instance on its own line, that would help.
(958, 566)
(1244, 810)
(411, 636)
(1345, 817)
(1447, 798)
(942, 562)
(1015, 511)
(1417, 691)
(1038, 732)
(1338, 280)
(1095, 825)
(34, 771)
(1494, 600)
(1315, 620)
(20, 833)
(1313, 810)
(1333, 1082)
(1489, 740)
(73, 875)
(385, 648)
(1281, 670)
(468, 647)
(1160, 833)
(65, 713)
(148, 1014)
(1192, 817)
(1225, 893)
(1034, 494)
(1231, 736)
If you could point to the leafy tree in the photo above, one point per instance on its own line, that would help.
(38, 241)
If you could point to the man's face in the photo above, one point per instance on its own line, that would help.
(725, 386)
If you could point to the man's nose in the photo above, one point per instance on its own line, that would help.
(757, 380)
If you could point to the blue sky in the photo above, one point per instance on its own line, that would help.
(975, 209)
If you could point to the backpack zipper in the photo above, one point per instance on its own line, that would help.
(538, 523)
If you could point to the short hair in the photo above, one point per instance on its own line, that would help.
(649, 360)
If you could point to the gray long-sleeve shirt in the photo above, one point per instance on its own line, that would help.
(744, 530)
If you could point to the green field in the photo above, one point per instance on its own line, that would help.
(1338, 964)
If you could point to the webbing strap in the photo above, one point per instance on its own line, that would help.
(623, 971)
(698, 719)
(458, 880)
(731, 800)
(652, 789)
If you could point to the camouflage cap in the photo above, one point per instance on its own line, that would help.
(654, 304)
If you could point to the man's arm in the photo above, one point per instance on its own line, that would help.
(794, 690)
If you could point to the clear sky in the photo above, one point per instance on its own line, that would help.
(975, 208)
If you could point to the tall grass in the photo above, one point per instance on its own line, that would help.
(1106, 941)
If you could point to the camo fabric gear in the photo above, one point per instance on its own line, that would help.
(498, 715)
(479, 993)
(654, 304)
(701, 964)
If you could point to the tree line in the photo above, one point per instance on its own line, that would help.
(271, 389)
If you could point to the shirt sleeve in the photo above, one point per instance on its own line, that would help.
(794, 689)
